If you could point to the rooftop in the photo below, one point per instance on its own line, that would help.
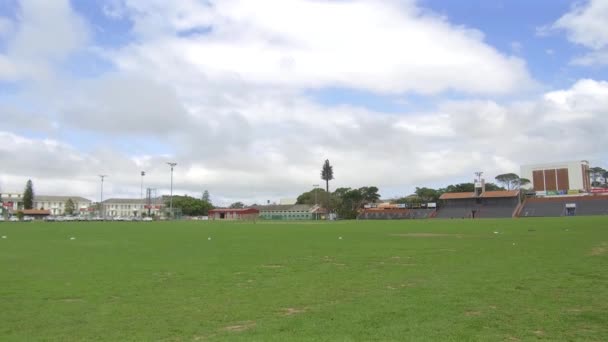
(487, 194)
(44, 198)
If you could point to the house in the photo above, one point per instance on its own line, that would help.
(36, 213)
(234, 214)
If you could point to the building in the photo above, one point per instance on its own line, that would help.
(488, 204)
(564, 206)
(291, 212)
(561, 178)
(37, 214)
(234, 214)
(56, 204)
(11, 201)
(131, 207)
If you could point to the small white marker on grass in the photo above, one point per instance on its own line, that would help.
(340, 238)
(72, 238)
(4, 236)
(209, 238)
(495, 232)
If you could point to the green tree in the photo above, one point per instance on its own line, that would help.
(191, 206)
(311, 197)
(206, 197)
(523, 182)
(28, 195)
(69, 207)
(427, 194)
(494, 187)
(370, 194)
(595, 173)
(237, 205)
(462, 187)
(509, 180)
(327, 174)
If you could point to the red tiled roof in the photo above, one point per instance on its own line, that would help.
(500, 194)
(457, 195)
(35, 212)
(239, 211)
(487, 194)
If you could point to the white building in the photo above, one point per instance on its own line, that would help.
(56, 204)
(130, 207)
(11, 201)
(558, 178)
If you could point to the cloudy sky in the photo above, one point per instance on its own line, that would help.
(250, 97)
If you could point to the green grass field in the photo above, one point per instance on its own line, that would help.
(432, 280)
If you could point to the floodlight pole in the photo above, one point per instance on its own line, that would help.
(141, 192)
(171, 194)
(102, 211)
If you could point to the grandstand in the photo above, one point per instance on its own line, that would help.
(484, 204)
(565, 206)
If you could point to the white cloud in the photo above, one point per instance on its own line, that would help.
(587, 25)
(270, 148)
(6, 27)
(120, 103)
(383, 47)
(45, 33)
(230, 107)
(593, 58)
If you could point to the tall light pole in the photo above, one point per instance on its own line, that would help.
(141, 193)
(171, 196)
(102, 212)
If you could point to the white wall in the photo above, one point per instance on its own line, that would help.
(575, 172)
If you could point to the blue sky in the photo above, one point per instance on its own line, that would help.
(125, 84)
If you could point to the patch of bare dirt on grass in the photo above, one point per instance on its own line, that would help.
(292, 311)
(70, 300)
(472, 313)
(240, 327)
(599, 250)
(539, 333)
(426, 235)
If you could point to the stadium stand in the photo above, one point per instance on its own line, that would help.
(489, 204)
(565, 206)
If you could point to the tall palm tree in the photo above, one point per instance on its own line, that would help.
(327, 174)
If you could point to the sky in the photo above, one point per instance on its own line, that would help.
(249, 98)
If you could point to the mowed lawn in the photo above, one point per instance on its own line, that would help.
(432, 280)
